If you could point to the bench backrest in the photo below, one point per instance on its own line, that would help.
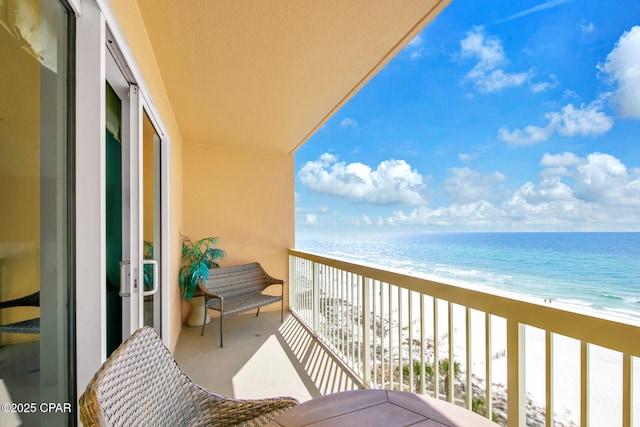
(238, 280)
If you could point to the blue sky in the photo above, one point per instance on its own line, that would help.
(499, 116)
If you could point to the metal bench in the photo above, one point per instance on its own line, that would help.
(31, 326)
(238, 289)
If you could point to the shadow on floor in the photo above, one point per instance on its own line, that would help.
(261, 357)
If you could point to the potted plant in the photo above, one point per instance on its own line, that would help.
(197, 258)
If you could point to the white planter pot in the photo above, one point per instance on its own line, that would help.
(197, 312)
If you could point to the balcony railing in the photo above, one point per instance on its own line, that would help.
(402, 332)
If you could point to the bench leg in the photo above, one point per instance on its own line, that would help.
(282, 311)
(258, 312)
(204, 320)
(220, 329)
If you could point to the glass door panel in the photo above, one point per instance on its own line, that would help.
(113, 217)
(151, 220)
(123, 207)
(35, 232)
(133, 212)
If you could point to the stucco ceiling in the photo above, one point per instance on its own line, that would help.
(265, 75)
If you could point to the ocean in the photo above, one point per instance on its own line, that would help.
(597, 273)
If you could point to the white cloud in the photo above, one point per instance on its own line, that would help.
(623, 66)
(486, 75)
(311, 219)
(569, 94)
(549, 190)
(530, 135)
(545, 86)
(392, 182)
(474, 214)
(604, 179)
(556, 160)
(599, 178)
(415, 48)
(559, 164)
(416, 42)
(585, 120)
(589, 28)
(366, 220)
(465, 185)
(593, 193)
(467, 157)
(348, 123)
(542, 6)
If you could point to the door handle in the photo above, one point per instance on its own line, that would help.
(123, 278)
(154, 289)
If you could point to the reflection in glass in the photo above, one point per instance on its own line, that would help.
(34, 232)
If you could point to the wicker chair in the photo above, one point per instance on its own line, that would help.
(31, 326)
(142, 385)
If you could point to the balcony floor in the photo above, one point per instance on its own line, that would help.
(261, 357)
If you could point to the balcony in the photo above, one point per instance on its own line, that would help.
(352, 326)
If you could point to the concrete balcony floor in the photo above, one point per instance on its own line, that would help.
(261, 357)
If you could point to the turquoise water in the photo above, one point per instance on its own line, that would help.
(598, 272)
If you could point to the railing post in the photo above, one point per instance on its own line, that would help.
(627, 390)
(315, 286)
(549, 378)
(488, 366)
(422, 345)
(373, 331)
(400, 360)
(436, 351)
(292, 283)
(451, 377)
(516, 389)
(366, 330)
(410, 317)
(584, 383)
(469, 387)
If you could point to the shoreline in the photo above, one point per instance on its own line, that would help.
(522, 268)
(574, 305)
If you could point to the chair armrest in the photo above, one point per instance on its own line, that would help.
(273, 281)
(231, 411)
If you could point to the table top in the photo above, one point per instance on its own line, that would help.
(385, 408)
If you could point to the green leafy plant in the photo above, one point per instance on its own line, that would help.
(147, 271)
(197, 258)
(443, 368)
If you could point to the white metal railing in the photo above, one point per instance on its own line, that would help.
(402, 332)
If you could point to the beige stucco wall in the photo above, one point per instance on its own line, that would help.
(132, 26)
(244, 197)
